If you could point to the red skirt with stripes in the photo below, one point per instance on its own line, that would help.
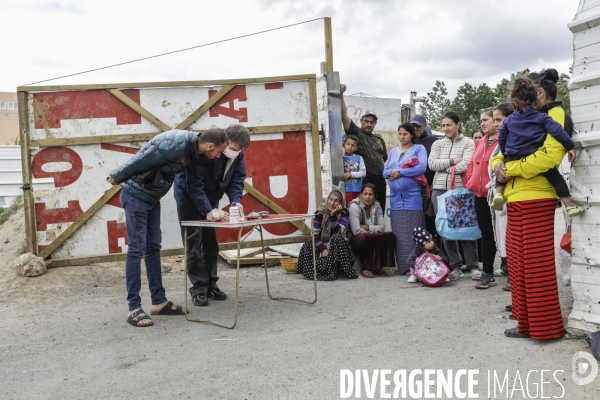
(532, 269)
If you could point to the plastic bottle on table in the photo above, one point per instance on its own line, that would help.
(234, 213)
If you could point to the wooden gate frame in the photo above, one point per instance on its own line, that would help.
(115, 90)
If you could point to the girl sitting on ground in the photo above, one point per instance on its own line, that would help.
(524, 132)
(425, 244)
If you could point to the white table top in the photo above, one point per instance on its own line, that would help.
(271, 219)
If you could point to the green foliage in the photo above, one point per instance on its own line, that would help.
(436, 106)
(6, 213)
(470, 100)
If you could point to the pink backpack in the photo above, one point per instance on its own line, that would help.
(430, 271)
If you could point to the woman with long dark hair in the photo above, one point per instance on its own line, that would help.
(373, 246)
(405, 163)
(455, 150)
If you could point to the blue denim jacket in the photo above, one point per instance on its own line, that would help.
(149, 174)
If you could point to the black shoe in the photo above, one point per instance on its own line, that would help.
(486, 281)
(200, 300)
(216, 294)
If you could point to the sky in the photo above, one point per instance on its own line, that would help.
(384, 48)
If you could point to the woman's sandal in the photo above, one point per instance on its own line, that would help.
(135, 318)
(367, 274)
(381, 273)
(574, 210)
(514, 333)
(168, 310)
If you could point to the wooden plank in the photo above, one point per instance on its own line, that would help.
(316, 149)
(336, 131)
(28, 200)
(80, 221)
(139, 109)
(274, 206)
(74, 141)
(141, 85)
(267, 242)
(328, 44)
(204, 107)
(67, 262)
(139, 137)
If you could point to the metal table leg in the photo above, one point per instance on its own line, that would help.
(259, 227)
(237, 284)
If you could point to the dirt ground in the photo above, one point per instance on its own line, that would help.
(64, 336)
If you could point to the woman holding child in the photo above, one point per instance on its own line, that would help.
(404, 171)
(531, 205)
(373, 246)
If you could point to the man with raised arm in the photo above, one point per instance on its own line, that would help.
(371, 147)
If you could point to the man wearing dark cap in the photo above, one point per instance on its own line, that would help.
(420, 124)
(371, 147)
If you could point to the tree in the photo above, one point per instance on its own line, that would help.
(469, 102)
(437, 104)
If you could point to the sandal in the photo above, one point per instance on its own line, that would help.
(514, 333)
(135, 318)
(508, 308)
(168, 310)
(574, 210)
(381, 273)
(367, 274)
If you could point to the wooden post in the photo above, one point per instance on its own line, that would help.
(334, 111)
(28, 203)
(316, 149)
(328, 45)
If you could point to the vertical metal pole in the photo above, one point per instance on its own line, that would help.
(336, 130)
(185, 271)
(316, 150)
(328, 45)
(28, 201)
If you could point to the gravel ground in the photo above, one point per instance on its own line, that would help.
(64, 336)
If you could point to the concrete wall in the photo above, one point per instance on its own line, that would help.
(585, 173)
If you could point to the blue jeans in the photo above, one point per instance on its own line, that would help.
(143, 231)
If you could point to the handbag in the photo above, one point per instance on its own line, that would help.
(431, 271)
(565, 241)
(456, 218)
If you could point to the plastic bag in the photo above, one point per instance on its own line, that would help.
(564, 260)
(217, 215)
(593, 339)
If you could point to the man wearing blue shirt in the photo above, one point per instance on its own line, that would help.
(198, 190)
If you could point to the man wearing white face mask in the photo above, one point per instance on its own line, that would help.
(198, 190)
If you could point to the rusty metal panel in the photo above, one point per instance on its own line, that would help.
(280, 164)
(585, 173)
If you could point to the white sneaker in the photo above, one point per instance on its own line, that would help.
(447, 280)
(498, 272)
(412, 279)
(476, 274)
(457, 273)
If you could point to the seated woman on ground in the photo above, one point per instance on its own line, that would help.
(373, 246)
(332, 249)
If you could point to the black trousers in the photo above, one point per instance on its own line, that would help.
(488, 242)
(380, 188)
(202, 253)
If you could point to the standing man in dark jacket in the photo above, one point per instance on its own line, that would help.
(198, 190)
(420, 124)
(371, 147)
(144, 180)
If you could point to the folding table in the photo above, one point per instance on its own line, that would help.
(255, 224)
